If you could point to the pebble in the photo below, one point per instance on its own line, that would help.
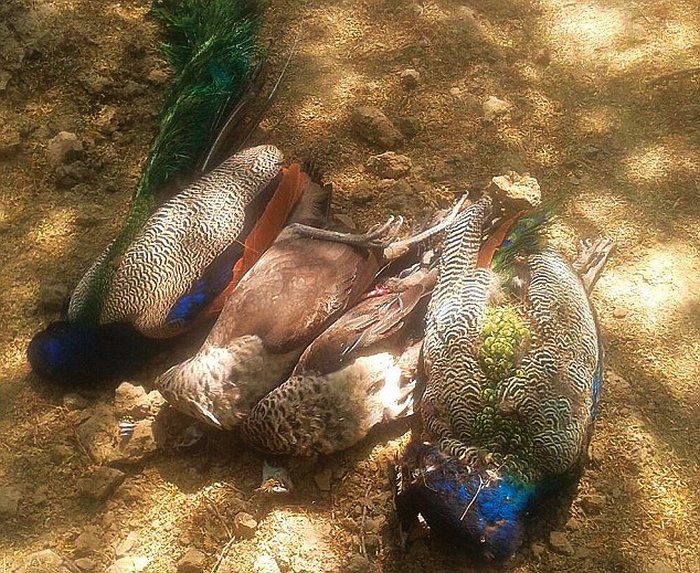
(389, 165)
(192, 562)
(64, 148)
(88, 542)
(323, 479)
(68, 176)
(559, 543)
(494, 107)
(520, 190)
(127, 544)
(619, 312)
(128, 564)
(98, 433)
(455, 91)
(100, 483)
(9, 501)
(244, 524)
(375, 127)
(410, 78)
(409, 126)
(592, 503)
(157, 76)
(45, 561)
(131, 400)
(573, 524)
(53, 296)
(401, 193)
(86, 564)
(132, 89)
(137, 446)
(357, 564)
(266, 564)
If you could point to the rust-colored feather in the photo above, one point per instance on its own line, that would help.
(489, 248)
(268, 226)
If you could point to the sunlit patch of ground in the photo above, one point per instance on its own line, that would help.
(604, 114)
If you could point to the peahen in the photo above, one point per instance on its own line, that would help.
(179, 253)
(514, 363)
(299, 286)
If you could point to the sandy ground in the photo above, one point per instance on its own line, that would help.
(605, 107)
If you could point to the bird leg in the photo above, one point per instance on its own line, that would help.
(377, 237)
(591, 259)
(398, 248)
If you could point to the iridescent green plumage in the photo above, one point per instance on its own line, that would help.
(210, 44)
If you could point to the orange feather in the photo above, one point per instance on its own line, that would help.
(266, 229)
(489, 248)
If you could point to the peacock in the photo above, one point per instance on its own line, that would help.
(513, 364)
(198, 217)
(307, 279)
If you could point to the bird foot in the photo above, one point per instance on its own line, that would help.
(592, 256)
(378, 237)
(398, 248)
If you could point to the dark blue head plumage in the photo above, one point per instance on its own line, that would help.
(476, 509)
(74, 352)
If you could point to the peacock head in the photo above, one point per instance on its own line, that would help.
(74, 352)
(474, 508)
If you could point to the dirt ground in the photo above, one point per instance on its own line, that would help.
(604, 110)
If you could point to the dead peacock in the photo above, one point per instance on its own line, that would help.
(514, 363)
(180, 251)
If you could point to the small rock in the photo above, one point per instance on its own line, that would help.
(520, 190)
(132, 89)
(95, 84)
(244, 524)
(401, 193)
(410, 78)
(619, 312)
(538, 550)
(573, 524)
(364, 193)
(157, 76)
(389, 165)
(323, 479)
(375, 127)
(10, 142)
(660, 567)
(45, 561)
(409, 126)
(357, 564)
(131, 400)
(137, 446)
(88, 542)
(86, 564)
(68, 176)
(98, 434)
(559, 543)
(64, 148)
(127, 544)
(592, 503)
(192, 562)
(60, 453)
(75, 401)
(9, 501)
(128, 564)
(53, 296)
(107, 121)
(101, 483)
(266, 564)
(455, 91)
(582, 553)
(493, 107)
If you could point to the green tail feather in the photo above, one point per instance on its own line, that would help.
(525, 237)
(211, 45)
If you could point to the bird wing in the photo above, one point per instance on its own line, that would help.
(370, 322)
(294, 290)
